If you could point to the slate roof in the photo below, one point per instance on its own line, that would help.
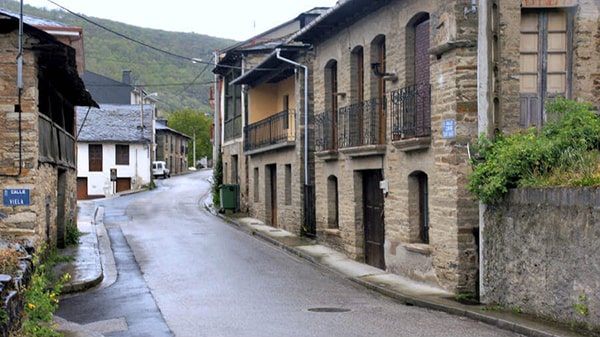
(105, 90)
(114, 124)
(35, 21)
(161, 125)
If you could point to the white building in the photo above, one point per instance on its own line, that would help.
(114, 137)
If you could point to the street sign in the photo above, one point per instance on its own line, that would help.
(448, 128)
(113, 174)
(16, 197)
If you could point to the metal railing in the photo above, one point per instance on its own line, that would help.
(233, 128)
(276, 129)
(410, 111)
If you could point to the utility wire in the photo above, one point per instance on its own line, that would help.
(129, 38)
(187, 58)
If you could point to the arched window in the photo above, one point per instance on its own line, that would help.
(331, 105)
(418, 190)
(332, 202)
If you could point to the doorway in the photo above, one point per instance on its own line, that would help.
(61, 223)
(271, 194)
(373, 216)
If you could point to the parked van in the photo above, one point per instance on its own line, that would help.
(160, 169)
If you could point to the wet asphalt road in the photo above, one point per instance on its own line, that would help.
(185, 272)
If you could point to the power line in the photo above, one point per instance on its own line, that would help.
(129, 38)
(187, 58)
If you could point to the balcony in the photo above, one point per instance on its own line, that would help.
(360, 129)
(233, 128)
(272, 132)
(410, 111)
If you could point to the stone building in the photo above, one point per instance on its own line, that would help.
(256, 125)
(37, 124)
(172, 147)
(113, 149)
(395, 107)
(530, 52)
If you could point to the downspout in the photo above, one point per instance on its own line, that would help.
(306, 176)
(307, 190)
(18, 107)
(483, 108)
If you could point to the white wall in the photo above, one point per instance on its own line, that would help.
(99, 182)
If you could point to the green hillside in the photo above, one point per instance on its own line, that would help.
(179, 83)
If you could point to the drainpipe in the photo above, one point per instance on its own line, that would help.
(483, 108)
(306, 176)
(307, 217)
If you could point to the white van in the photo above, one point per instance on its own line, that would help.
(160, 169)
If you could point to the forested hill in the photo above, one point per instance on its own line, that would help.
(179, 83)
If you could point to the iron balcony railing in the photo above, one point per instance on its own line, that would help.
(354, 125)
(325, 131)
(410, 111)
(276, 129)
(233, 128)
(360, 124)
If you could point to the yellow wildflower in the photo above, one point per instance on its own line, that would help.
(31, 305)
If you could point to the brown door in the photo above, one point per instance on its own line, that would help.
(82, 191)
(272, 194)
(373, 219)
(123, 184)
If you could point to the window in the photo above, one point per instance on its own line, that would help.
(288, 184)
(357, 84)
(332, 203)
(418, 211)
(378, 64)
(233, 106)
(331, 104)
(256, 191)
(95, 157)
(544, 62)
(122, 154)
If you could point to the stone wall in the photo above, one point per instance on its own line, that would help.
(540, 253)
(36, 222)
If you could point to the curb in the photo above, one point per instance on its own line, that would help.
(427, 303)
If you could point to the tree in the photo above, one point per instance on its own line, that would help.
(189, 121)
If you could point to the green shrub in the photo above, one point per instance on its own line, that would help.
(217, 180)
(41, 297)
(563, 153)
(72, 234)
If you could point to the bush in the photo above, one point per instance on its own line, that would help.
(41, 298)
(563, 153)
(217, 180)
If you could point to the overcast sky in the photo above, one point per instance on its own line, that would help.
(233, 19)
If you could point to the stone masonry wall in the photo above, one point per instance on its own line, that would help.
(37, 222)
(450, 260)
(585, 66)
(540, 253)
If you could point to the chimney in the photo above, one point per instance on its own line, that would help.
(127, 77)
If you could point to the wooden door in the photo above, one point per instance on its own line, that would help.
(82, 190)
(123, 184)
(373, 219)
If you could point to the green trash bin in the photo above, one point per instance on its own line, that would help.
(228, 194)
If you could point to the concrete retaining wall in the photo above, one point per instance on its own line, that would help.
(541, 254)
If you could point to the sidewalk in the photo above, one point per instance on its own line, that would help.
(87, 272)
